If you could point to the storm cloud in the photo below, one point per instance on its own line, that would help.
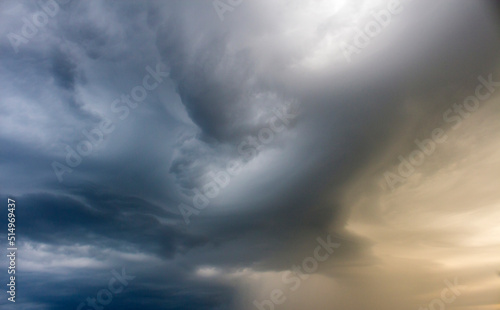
(205, 147)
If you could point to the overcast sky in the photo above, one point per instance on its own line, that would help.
(209, 149)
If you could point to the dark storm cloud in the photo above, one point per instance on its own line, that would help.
(103, 222)
(358, 113)
(225, 80)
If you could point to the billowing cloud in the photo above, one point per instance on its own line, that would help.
(243, 154)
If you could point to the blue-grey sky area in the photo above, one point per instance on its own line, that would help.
(251, 154)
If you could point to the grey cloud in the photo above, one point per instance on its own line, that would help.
(224, 81)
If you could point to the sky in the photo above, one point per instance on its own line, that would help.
(237, 154)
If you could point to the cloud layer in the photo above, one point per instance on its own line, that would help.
(206, 153)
